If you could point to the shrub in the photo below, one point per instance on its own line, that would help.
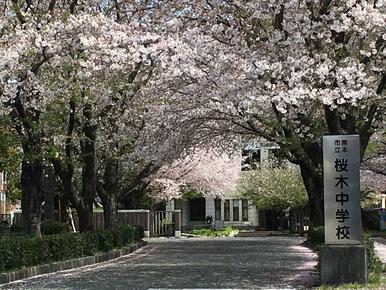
(316, 235)
(52, 227)
(374, 264)
(17, 229)
(212, 233)
(21, 251)
(104, 239)
(370, 220)
(139, 233)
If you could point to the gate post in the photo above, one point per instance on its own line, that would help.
(146, 230)
(177, 215)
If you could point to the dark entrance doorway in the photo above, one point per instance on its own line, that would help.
(273, 220)
(197, 209)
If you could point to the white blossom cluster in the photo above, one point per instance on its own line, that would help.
(211, 173)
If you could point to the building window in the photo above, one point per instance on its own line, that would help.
(217, 206)
(227, 210)
(236, 210)
(245, 209)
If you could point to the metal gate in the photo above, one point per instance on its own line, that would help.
(162, 223)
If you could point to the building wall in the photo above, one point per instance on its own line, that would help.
(253, 214)
(170, 205)
(209, 208)
(183, 205)
(4, 204)
(264, 153)
(3, 182)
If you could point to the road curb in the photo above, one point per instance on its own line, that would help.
(68, 264)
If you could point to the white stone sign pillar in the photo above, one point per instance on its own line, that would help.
(341, 162)
(343, 257)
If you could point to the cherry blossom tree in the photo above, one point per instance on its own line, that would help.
(66, 67)
(373, 171)
(85, 64)
(23, 55)
(79, 76)
(209, 172)
(287, 71)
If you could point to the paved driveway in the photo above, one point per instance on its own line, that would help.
(269, 262)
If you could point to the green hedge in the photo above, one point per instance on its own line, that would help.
(52, 227)
(21, 251)
(373, 261)
(316, 235)
(370, 220)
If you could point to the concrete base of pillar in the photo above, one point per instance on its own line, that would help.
(177, 234)
(146, 234)
(341, 264)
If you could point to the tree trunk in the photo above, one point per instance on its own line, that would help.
(314, 188)
(110, 211)
(82, 201)
(49, 193)
(32, 196)
(85, 218)
(84, 210)
(108, 192)
(89, 182)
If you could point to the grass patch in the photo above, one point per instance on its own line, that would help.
(374, 282)
(213, 233)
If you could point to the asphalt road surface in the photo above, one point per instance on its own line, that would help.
(226, 263)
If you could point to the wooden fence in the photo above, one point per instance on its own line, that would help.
(154, 223)
(140, 218)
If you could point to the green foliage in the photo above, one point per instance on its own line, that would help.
(189, 192)
(212, 233)
(52, 227)
(375, 145)
(22, 251)
(369, 198)
(273, 187)
(370, 220)
(16, 229)
(316, 235)
(10, 158)
(138, 233)
(374, 263)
